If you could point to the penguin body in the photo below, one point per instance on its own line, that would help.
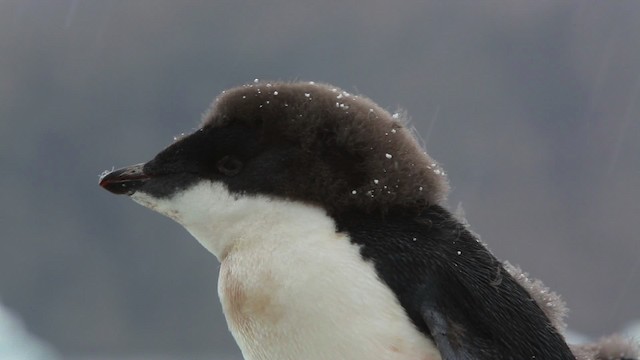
(291, 286)
(328, 220)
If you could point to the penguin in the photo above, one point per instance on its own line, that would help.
(329, 222)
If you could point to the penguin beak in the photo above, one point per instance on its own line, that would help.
(125, 180)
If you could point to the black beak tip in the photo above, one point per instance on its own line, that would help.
(124, 181)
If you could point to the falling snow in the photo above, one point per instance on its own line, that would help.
(106, 172)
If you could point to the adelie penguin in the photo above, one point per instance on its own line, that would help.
(328, 220)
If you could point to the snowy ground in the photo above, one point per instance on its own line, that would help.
(16, 343)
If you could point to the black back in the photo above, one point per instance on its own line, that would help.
(453, 289)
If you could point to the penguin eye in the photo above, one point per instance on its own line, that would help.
(229, 165)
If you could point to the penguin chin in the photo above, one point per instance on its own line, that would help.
(220, 219)
(196, 203)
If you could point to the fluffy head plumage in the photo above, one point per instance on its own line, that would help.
(351, 153)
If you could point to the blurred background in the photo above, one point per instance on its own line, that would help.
(531, 106)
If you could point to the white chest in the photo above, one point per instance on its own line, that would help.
(291, 287)
(314, 298)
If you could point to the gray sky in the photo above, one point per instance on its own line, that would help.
(531, 107)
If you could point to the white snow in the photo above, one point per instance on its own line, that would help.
(106, 172)
(17, 343)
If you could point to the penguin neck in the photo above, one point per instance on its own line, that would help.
(227, 223)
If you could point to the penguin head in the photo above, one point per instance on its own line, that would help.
(295, 142)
